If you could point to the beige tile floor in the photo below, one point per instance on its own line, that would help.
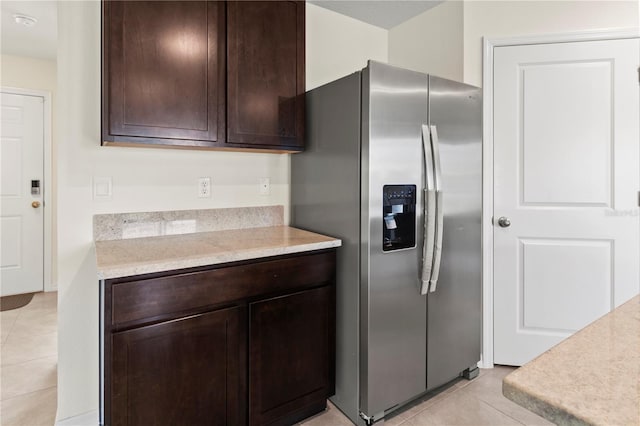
(29, 363)
(474, 403)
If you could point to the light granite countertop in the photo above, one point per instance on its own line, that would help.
(591, 378)
(146, 242)
(135, 256)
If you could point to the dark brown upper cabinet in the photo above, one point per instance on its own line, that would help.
(204, 74)
(265, 73)
(163, 72)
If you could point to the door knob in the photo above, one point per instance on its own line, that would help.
(35, 204)
(504, 222)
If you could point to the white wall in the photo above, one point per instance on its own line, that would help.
(337, 45)
(447, 39)
(146, 179)
(143, 180)
(514, 18)
(37, 74)
(28, 73)
(431, 42)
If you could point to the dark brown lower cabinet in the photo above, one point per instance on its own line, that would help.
(290, 356)
(188, 371)
(256, 346)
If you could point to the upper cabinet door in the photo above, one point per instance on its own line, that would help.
(163, 72)
(265, 75)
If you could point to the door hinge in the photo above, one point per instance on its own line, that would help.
(638, 198)
(638, 75)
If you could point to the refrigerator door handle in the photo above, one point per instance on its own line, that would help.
(429, 212)
(437, 257)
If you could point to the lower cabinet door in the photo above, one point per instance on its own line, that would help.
(291, 356)
(188, 371)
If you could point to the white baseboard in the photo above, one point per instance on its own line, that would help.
(483, 364)
(87, 419)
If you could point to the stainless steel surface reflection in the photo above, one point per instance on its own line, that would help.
(364, 132)
(392, 314)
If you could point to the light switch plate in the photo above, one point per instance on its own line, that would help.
(102, 187)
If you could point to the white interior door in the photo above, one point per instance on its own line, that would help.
(566, 176)
(21, 222)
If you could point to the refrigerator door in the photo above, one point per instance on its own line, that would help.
(454, 308)
(393, 313)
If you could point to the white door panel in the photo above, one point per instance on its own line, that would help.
(581, 272)
(21, 225)
(562, 119)
(566, 174)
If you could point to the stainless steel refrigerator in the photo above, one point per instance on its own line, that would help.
(386, 149)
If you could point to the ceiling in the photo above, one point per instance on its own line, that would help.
(384, 14)
(40, 41)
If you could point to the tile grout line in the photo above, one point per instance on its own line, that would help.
(11, 364)
(21, 326)
(11, 326)
(499, 410)
(445, 394)
(46, 333)
(21, 310)
(30, 393)
(448, 393)
(30, 360)
(54, 353)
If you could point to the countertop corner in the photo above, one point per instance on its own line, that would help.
(591, 378)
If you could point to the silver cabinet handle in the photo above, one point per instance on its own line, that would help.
(504, 222)
(437, 258)
(429, 212)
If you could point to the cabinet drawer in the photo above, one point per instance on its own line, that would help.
(178, 294)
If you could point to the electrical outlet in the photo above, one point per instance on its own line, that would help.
(264, 186)
(204, 187)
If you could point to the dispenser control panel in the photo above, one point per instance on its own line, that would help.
(399, 217)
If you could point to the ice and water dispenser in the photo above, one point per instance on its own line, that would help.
(399, 217)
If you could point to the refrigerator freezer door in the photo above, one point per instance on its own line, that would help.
(454, 309)
(393, 313)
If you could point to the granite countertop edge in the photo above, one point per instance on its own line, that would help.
(570, 384)
(537, 404)
(205, 253)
